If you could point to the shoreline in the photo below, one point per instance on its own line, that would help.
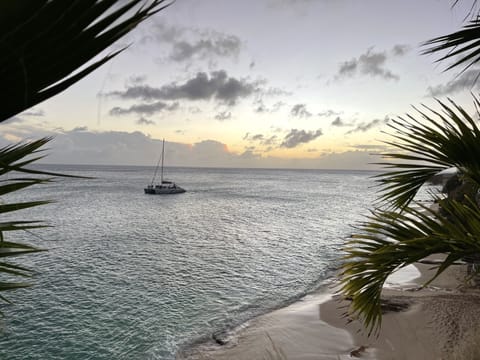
(421, 323)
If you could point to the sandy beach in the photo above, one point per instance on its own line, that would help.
(435, 322)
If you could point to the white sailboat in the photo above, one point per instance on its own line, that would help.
(165, 187)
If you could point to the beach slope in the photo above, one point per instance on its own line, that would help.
(435, 322)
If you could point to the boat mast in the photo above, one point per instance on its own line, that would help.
(158, 163)
(163, 152)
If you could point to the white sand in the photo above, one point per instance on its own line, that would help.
(437, 319)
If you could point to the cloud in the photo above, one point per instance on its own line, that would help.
(400, 49)
(466, 81)
(339, 122)
(166, 33)
(223, 115)
(261, 139)
(296, 137)
(365, 126)
(328, 113)
(14, 119)
(143, 121)
(218, 85)
(144, 109)
(194, 110)
(300, 110)
(136, 79)
(80, 128)
(277, 106)
(348, 68)
(189, 44)
(370, 63)
(275, 91)
(33, 112)
(222, 46)
(262, 108)
(136, 148)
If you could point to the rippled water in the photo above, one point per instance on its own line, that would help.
(135, 276)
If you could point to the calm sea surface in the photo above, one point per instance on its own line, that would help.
(135, 276)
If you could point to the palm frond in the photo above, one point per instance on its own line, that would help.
(463, 45)
(440, 140)
(44, 44)
(390, 240)
(13, 159)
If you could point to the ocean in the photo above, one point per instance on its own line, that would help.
(135, 276)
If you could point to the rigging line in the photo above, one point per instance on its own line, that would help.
(100, 92)
(158, 163)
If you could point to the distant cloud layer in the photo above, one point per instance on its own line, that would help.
(83, 146)
(216, 85)
(371, 63)
(296, 137)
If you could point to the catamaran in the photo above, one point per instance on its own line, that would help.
(164, 187)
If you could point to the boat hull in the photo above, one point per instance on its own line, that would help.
(164, 190)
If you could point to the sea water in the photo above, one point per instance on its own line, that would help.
(135, 276)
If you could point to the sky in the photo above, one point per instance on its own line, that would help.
(254, 83)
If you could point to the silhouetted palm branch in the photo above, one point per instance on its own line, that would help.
(45, 43)
(464, 45)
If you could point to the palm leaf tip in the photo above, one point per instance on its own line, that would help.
(426, 147)
(462, 45)
(15, 159)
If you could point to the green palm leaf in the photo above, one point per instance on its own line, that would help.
(390, 240)
(13, 159)
(439, 141)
